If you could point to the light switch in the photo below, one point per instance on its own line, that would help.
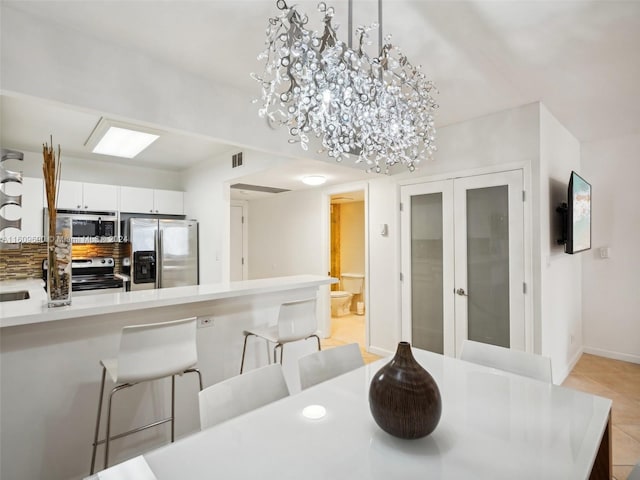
(605, 252)
(384, 229)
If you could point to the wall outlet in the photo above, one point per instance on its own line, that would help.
(205, 322)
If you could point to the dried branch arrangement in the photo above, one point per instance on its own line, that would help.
(51, 172)
(59, 248)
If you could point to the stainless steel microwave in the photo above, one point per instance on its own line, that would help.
(89, 226)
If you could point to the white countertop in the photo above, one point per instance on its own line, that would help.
(495, 425)
(35, 310)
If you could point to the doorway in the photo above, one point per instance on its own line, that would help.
(347, 264)
(238, 265)
(463, 262)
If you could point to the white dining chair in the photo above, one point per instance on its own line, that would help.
(241, 394)
(318, 367)
(296, 321)
(147, 352)
(514, 361)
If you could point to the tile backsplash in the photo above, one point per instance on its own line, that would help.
(23, 262)
(26, 262)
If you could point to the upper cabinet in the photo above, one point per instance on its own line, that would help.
(87, 196)
(147, 200)
(30, 212)
(169, 202)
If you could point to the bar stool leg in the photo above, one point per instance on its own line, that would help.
(195, 370)
(173, 407)
(95, 437)
(108, 437)
(244, 350)
(275, 356)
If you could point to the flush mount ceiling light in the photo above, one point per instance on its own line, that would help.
(314, 180)
(119, 139)
(379, 108)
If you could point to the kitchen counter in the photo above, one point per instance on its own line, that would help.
(34, 286)
(34, 310)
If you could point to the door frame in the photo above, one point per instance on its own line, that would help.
(531, 323)
(325, 326)
(245, 236)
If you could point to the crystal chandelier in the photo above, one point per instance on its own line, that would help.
(379, 109)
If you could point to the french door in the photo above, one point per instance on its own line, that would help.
(463, 262)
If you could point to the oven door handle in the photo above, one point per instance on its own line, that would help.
(158, 258)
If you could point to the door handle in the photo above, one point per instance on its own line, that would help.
(461, 292)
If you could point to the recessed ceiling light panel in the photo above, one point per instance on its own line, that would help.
(119, 139)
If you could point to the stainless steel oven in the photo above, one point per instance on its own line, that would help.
(89, 227)
(92, 276)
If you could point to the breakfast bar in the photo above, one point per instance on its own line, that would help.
(50, 371)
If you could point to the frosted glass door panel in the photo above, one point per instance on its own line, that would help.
(489, 260)
(488, 265)
(426, 272)
(427, 266)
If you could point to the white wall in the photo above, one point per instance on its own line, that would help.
(560, 274)
(207, 199)
(286, 234)
(610, 300)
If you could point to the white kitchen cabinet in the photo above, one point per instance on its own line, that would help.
(87, 196)
(70, 195)
(148, 200)
(136, 200)
(31, 211)
(169, 202)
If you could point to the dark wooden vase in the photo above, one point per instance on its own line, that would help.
(404, 398)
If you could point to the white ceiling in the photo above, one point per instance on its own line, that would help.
(26, 121)
(580, 58)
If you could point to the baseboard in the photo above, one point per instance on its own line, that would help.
(569, 367)
(625, 357)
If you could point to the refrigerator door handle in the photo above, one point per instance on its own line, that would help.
(158, 258)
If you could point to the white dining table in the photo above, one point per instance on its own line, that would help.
(494, 425)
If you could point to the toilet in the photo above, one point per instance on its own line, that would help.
(350, 284)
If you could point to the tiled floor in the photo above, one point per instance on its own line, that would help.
(619, 381)
(348, 329)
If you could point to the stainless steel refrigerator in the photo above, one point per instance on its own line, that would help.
(164, 253)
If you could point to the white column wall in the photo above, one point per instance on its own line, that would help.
(610, 300)
(207, 199)
(560, 273)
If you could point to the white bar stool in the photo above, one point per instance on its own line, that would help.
(147, 352)
(296, 321)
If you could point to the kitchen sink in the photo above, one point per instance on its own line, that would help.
(11, 296)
